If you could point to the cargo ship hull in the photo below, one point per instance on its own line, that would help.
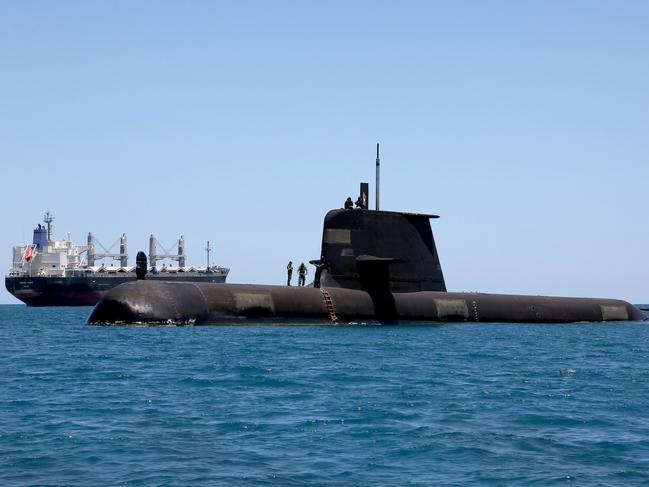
(85, 291)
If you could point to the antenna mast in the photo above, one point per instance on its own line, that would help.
(378, 175)
(48, 218)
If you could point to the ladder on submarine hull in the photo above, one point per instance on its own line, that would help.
(330, 305)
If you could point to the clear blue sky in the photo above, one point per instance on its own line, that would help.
(525, 125)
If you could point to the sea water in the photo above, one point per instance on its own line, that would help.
(454, 404)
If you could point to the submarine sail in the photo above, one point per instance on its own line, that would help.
(379, 250)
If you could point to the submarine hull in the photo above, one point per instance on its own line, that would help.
(150, 302)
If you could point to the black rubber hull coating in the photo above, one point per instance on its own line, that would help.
(150, 302)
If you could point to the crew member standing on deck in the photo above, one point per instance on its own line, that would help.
(301, 271)
(289, 271)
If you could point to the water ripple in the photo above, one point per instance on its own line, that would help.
(445, 405)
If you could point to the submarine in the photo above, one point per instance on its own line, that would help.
(375, 267)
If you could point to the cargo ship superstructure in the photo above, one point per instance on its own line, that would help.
(51, 272)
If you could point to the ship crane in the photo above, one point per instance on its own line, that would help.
(93, 256)
(154, 256)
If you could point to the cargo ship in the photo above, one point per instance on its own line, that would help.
(51, 272)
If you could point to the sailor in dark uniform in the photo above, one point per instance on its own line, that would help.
(349, 204)
(301, 271)
(319, 266)
(289, 271)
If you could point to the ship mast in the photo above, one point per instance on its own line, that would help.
(48, 218)
(378, 175)
(208, 249)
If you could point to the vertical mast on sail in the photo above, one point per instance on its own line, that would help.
(378, 175)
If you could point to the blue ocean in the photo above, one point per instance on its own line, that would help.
(453, 404)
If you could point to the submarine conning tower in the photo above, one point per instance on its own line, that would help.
(379, 251)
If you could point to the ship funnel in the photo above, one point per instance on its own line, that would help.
(40, 238)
